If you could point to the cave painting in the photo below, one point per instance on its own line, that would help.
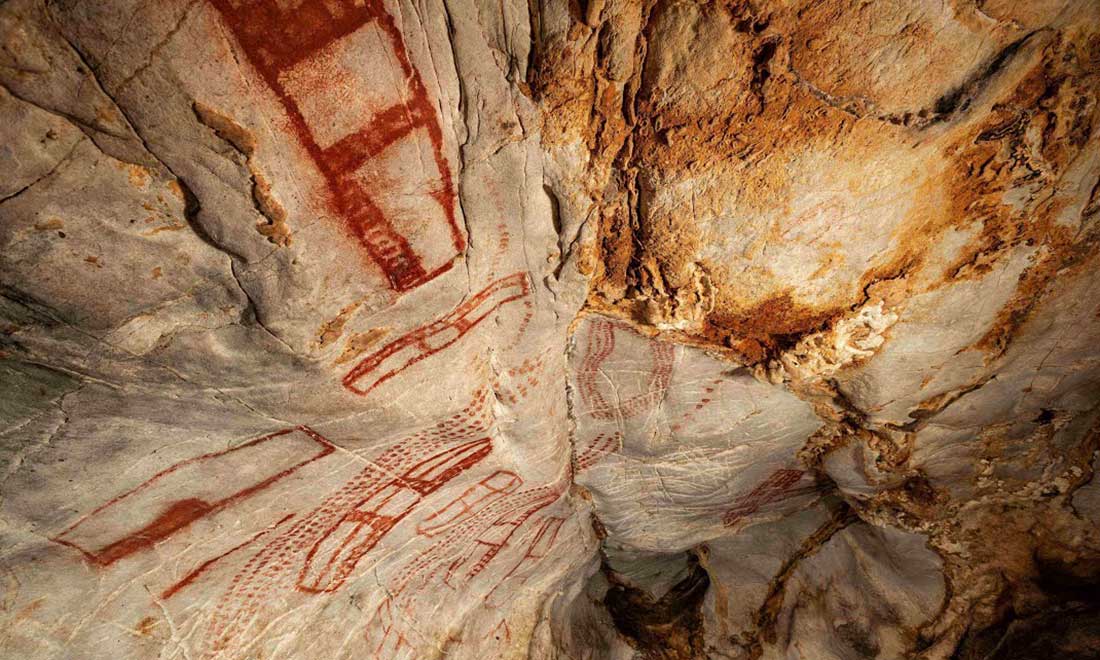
(596, 448)
(372, 133)
(192, 576)
(778, 486)
(498, 484)
(469, 545)
(176, 497)
(471, 539)
(466, 533)
(393, 640)
(599, 347)
(320, 551)
(705, 398)
(542, 541)
(427, 340)
(335, 555)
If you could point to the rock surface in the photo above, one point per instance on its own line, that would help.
(549, 329)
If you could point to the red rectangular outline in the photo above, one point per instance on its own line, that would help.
(182, 513)
(462, 319)
(274, 41)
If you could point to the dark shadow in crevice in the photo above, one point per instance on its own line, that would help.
(668, 628)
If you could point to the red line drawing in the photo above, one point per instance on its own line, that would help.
(467, 547)
(600, 346)
(544, 539)
(335, 555)
(504, 240)
(500, 633)
(475, 498)
(400, 354)
(496, 537)
(393, 640)
(193, 575)
(776, 487)
(541, 542)
(600, 446)
(194, 488)
(361, 128)
(276, 569)
(514, 384)
(707, 398)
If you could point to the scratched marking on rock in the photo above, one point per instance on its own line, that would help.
(176, 497)
(372, 132)
(400, 354)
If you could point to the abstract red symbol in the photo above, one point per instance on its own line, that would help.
(178, 496)
(775, 487)
(470, 544)
(393, 641)
(398, 355)
(371, 130)
(708, 397)
(501, 633)
(473, 500)
(470, 532)
(440, 451)
(333, 558)
(601, 343)
(205, 566)
(494, 538)
(545, 534)
(600, 446)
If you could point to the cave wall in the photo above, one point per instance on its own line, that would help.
(549, 329)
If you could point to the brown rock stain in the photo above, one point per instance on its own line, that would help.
(657, 116)
(177, 190)
(274, 225)
(145, 626)
(359, 342)
(139, 176)
(46, 225)
(171, 227)
(106, 114)
(29, 610)
(333, 329)
(226, 128)
(645, 267)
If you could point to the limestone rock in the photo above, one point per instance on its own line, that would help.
(609, 329)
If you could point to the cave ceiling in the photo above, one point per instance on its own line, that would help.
(549, 329)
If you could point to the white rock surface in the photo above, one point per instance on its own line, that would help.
(602, 330)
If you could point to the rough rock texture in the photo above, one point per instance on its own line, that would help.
(596, 329)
